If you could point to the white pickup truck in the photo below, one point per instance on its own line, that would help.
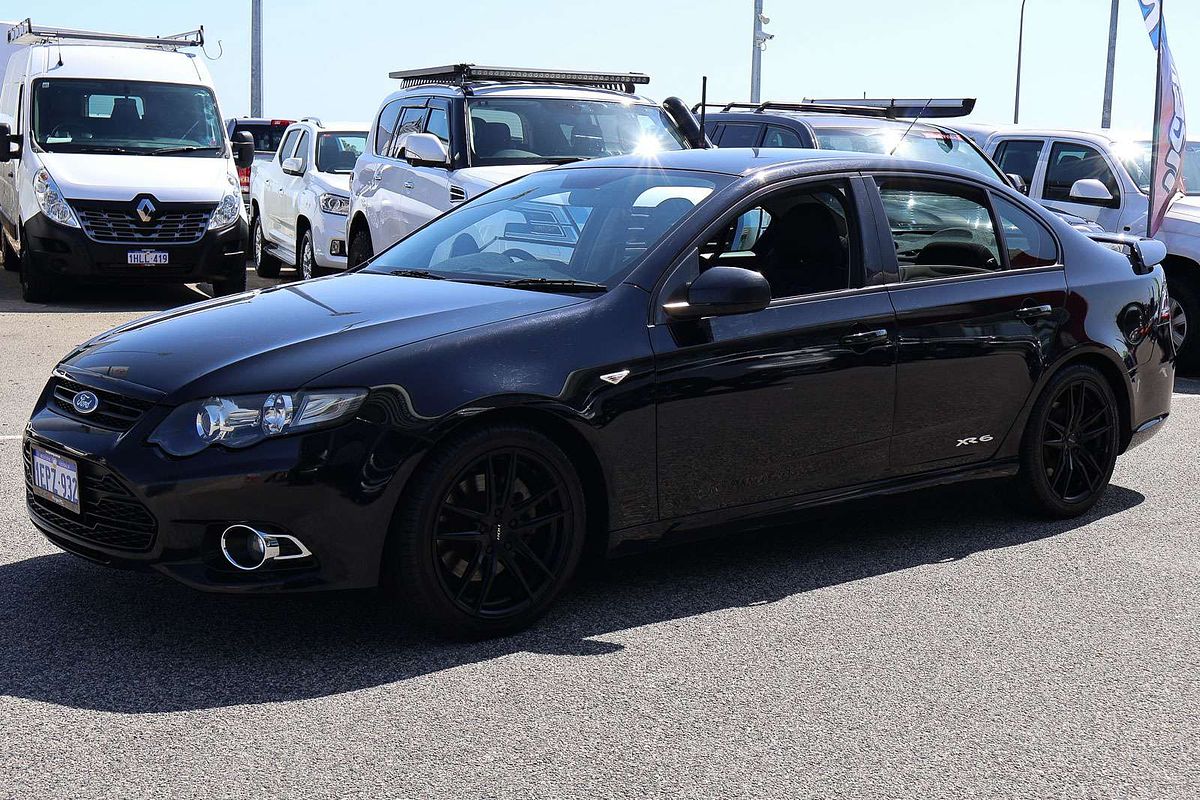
(1105, 178)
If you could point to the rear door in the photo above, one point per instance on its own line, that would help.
(980, 298)
(1024, 156)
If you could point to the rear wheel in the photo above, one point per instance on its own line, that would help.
(488, 535)
(1070, 444)
(360, 248)
(265, 264)
(1185, 316)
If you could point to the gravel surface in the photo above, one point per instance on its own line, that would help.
(930, 646)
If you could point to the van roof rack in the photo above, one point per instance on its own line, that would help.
(26, 32)
(464, 74)
(925, 108)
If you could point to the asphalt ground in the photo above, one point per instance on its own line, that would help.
(936, 645)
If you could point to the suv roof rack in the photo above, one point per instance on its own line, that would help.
(928, 108)
(26, 32)
(315, 120)
(464, 74)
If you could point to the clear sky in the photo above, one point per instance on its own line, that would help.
(331, 57)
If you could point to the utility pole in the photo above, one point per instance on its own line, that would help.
(1106, 112)
(760, 41)
(256, 58)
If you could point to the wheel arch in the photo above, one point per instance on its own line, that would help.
(1116, 378)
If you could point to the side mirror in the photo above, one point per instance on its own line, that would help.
(243, 149)
(720, 291)
(425, 150)
(6, 153)
(1090, 189)
(1150, 252)
(1018, 183)
(293, 166)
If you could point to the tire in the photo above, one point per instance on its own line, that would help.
(1070, 445)
(306, 258)
(36, 286)
(455, 564)
(1185, 324)
(234, 284)
(265, 264)
(12, 262)
(360, 248)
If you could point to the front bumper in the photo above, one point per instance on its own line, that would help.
(141, 509)
(70, 254)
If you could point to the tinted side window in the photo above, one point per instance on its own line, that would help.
(1027, 241)
(941, 230)
(1019, 158)
(738, 135)
(286, 146)
(302, 150)
(439, 124)
(386, 126)
(1074, 162)
(778, 136)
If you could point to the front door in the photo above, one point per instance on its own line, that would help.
(1070, 162)
(980, 298)
(792, 399)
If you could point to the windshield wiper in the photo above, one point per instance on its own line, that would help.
(554, 285)
(565, 159)
(190, 148)
(415, 273)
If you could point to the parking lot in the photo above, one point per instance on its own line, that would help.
(935, 645)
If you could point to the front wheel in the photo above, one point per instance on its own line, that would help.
(307, 266)
(265, 264)
(234, 284)
(360, 249)
(488, 534)
(1070, 445)
(36, 286)
(12, 262)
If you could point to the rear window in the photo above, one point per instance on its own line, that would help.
(266, 136)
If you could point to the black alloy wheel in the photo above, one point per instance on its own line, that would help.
(1070, 446)
(490, 535)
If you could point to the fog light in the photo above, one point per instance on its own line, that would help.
(246, 548)
(337, 247)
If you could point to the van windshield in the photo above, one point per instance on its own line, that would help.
(551, 130)
(73, 115)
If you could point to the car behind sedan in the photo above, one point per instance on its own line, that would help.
(603, 356)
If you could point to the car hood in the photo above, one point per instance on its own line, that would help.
(172, 179)
(285, 337)
(333, 182)
(486, 177)
(1185, 213)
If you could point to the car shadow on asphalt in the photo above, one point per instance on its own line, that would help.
(84, 636)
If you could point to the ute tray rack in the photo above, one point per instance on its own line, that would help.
(463, 75)
(925, 108)
(26, 32)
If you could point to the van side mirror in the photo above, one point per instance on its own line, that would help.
(6, 152)
(1018, 183)
(292, 166)
(425, 150)
(720, 291)
(243, 149)
(1090, 189)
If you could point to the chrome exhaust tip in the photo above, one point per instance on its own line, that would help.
(248, 548)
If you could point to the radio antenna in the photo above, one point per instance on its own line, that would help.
(900, 141)
(703, 106)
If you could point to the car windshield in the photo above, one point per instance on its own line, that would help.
(921, 143)
(573, 229)
(126, 117)
(540, 130)
(337, 152)
(1135, 157)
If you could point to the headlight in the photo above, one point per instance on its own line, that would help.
(335, 204)
(227, 213)
(248, 419)
(52, 203)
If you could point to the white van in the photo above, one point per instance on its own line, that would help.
(116, 166)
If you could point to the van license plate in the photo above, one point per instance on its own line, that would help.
(56, 478)
(148, 257)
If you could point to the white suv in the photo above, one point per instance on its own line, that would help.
(453, 132)
(299, 199)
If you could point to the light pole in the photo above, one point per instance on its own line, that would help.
(256, 58)
(1020, 47)
(760, 41)
(1106, 111)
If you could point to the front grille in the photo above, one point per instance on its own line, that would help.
(115, 412)
(119, 226)
(111, 516)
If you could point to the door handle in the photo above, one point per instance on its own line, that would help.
(408, 184)
(865, 338)
(1034, 312)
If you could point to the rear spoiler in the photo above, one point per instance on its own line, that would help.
(1143, 253)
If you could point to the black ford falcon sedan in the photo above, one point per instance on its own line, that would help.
(602, 356)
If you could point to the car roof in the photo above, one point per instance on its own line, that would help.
(744, 161)
(335, 125)
(556, 91)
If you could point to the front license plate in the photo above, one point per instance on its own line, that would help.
(56, 478)
(148, 257)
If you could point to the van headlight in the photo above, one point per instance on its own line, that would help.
(51, 201)
(335, 204)
(227, 212)
(244, 420)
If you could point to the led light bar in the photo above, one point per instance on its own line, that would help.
(463, 74)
